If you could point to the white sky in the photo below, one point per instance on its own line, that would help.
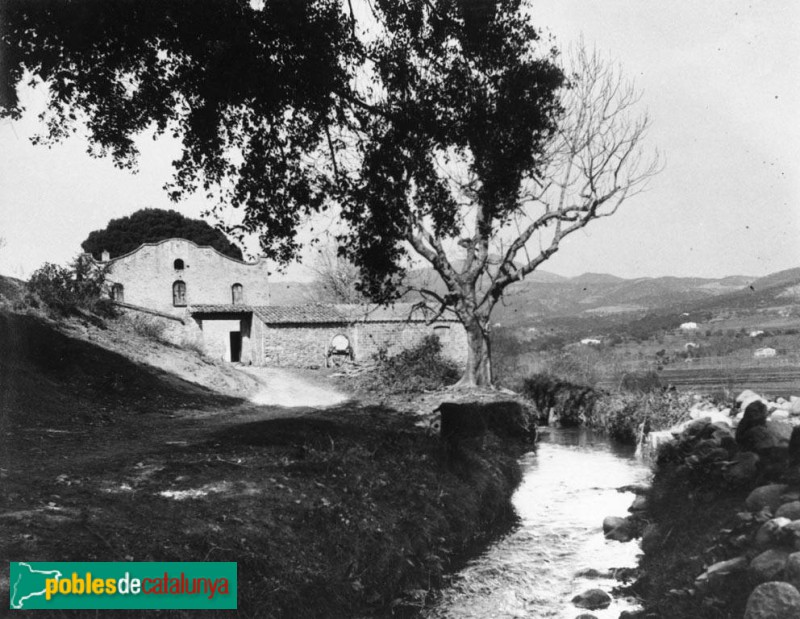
(721, 80)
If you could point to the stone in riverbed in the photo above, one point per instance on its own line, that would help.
(771, 532)
(719, 575)
(743, 468)
(792, 570)
(625, 532)
(591, 572)
(773, 600)
(769, 565)
(639, 504)
(790, 510)
(794, 446)
(766, 496)
(791, 533)
(780, 430)
(612, 522)
(593, 599)
(586, 616)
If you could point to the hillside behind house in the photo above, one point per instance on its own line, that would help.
(608, 299)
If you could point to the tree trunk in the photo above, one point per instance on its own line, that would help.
(478, 372)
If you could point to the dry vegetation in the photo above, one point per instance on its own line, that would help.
(347, 512)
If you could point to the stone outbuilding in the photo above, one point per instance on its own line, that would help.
(308, 335)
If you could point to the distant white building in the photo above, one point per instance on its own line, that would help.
(688, 326)
(690, 346)
(590, 341)
(756, 333)
(765, 353)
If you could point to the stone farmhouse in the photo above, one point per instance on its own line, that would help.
(225, 304)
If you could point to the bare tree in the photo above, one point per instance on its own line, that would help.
(594, 161)
(335, 279)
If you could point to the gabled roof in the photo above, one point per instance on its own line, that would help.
(161, 242)
(347, 314)
(320, 313)
(299, 314)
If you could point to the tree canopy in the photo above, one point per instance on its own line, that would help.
(248, 87)
(443, 129)
(150, 225)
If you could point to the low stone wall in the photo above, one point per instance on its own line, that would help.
(307, 345)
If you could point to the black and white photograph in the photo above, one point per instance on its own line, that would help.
(427, 309)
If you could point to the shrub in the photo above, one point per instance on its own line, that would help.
(573, 404)
(149, 327)
(625, 415)
(422, 367)
(66, 290)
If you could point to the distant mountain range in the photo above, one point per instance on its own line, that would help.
(544, 295)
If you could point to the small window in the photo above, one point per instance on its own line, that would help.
(178, 264)
(237, 293)
(179, 294)
(118, 293)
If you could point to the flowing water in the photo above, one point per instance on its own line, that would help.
(569, 486)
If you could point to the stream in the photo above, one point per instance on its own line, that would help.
(569, 485)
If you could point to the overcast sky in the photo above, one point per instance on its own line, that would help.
(721, 81)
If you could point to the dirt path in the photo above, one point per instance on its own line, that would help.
(280, 387)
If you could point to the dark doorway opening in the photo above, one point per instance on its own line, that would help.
(236, 346)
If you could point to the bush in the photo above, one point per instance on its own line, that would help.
(624, 416)
(422, 367)
(149, 327)
(66, 290)
(573, 404)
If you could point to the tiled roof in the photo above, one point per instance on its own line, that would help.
(299, 314)
(345, 314)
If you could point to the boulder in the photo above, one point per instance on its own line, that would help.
(639, 504)
(770, 533)
(696, 427)
(718, 575)
(758, 439)
(747, 394)
(794, 446)
(591, 572)
(586, 616)
(773, 600)
(592, 599)
(623, 533)
(612, 522)
(765, 496)
(791, 572)
(794, 405)
(790, 510)
(755, 415)
(780, 429)
(743, 468)
(791, 534)
(769, 565)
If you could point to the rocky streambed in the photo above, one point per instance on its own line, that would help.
(721, 523)
(557, 562)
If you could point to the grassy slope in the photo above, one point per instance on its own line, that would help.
(337, 513)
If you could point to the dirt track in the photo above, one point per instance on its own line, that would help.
(279, 387)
